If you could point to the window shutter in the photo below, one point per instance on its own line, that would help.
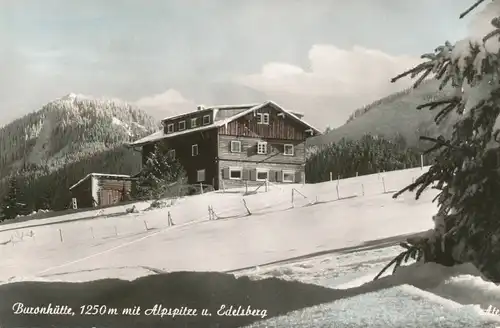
(225, 173)
(245, 174)
(272, 176)
(253, 174)
(298, 176)
(279, 176)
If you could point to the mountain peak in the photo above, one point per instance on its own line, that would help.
(73, 96)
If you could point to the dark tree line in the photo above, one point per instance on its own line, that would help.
(370, 154)
(36, 187)
(40, 187)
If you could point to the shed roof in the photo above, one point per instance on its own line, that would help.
(103, 175)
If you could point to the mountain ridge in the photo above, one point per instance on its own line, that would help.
(393, 115)
(50, 149)
(71, 125)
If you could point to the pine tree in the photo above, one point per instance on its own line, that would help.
(10, 205)
(466, 169)
(159, 173)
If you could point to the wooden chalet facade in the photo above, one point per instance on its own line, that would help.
(231, 144)
(100, 189)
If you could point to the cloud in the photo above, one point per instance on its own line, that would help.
(170, 102)
(337, 80)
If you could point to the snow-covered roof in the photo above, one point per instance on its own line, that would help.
(100, 175)
(205, 108)
(161, 135)
(232, 106)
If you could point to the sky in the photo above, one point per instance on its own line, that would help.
(324, 58)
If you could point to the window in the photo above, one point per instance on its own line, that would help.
(262, 175)
(182, 125)
(235, 146)
(235, 173)
(262, 118)
(171, 154)
(288, 176)
(170, 128)
(194, 150)
(206, 119)
(200, 175)
(262, 148)
(265, 118)
(194, 122)
(288, 150)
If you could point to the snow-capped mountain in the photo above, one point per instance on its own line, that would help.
(69, 128)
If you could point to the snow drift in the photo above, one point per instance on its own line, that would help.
(405, 299)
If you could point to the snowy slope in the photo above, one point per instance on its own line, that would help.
(275, 231)
(320, 239)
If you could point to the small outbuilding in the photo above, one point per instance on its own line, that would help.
(101, 189)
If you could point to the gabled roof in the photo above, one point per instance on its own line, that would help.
(104, 175)
(216, 124)
(209, 108)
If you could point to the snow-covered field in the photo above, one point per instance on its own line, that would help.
(74, 248)
(339, 243)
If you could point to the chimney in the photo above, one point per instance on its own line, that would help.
(200, 107)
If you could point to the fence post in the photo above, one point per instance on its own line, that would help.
(266, 185)
(293, 205)
(338, 193)
(331, 176)
(362, 189)
(246, 187)
(383, 183)
(356, 174)
(223, 186)
(116, 231)
(246, 207)
(209, 214)
(61, 235)
(146, 225)
(201, 188)
(421, 161)
(92, 232)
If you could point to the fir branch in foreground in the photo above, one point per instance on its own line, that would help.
(471, 8)
(450, 103)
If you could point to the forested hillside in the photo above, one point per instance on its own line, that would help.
(393, 115)
(50, 149)
(367, 155)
